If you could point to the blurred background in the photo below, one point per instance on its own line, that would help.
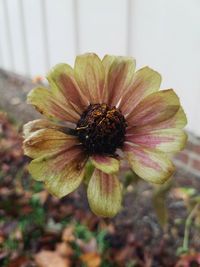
(158, 226)
(164, 34)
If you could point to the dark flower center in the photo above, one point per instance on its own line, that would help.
(101, 129)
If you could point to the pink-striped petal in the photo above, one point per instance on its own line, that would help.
(35, 125)
(52, 106)
(178, 121)
(90, 76)
(151, 165)
(62, 172)
(105, 163)
(46, 141)
(62, 80)
(119, 75)
(166, 140)
(104, 194)
(155, 108)
(146, 81)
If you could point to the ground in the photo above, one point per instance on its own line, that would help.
(37, 229)
(157, 226)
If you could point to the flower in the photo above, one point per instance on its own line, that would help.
(95, 111)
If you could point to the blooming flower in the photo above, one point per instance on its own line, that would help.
(95, 111)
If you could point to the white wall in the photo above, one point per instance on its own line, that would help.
(164, 34)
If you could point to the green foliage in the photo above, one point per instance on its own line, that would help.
(82, 232)
(37, 186)
(35, 217)
(101, 241)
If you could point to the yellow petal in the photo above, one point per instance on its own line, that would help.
(151, 165)
(105, 163)
(166, 140)
(51, 106)
(33, 126)
(62, 80)
(47, 141)
(90, 75)
(146, 81)
(104, 194)
(155, 108)
(62, 173)
(119, 75)
(179, 121)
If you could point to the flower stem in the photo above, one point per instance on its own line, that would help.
(187, 227)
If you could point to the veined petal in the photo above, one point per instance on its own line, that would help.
(166, 140)
(62, 80)
(155, 108)
(146, 81)
(90, 75)
(119, 75)
(61, 172)
(104, 194)
(47, 141)
(151, 165)
(35, 125)
(52, 107)
(105, 163)
(179, 121)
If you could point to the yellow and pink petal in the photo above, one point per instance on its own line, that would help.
(145, 82)
(51, 106)
(90, 76)
(150, 164)
(64, 85)
(46, 141)
(178, 121)
(155, 108)
(119, 72)
(35, 125)
(62, 172)
(104, 194)
(166, 140)
(106, 164)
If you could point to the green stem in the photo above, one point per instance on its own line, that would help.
(187, 227)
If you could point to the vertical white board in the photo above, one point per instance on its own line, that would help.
(35, 37)
(102, 26)
(60, 30)
(166, 36)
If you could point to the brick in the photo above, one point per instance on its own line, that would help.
(183, 157)
(193, 147)
(196, 164)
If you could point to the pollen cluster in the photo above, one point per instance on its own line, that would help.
(101, 129)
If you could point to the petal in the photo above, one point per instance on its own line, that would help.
(119, 75)
(62, 172)
(105, 163)
(179, 121)
(36, 125)
(146, 81)
(47, 141)
(51, 106)
(62, 79)
(166, 140)
(155, 108)
(90, 75)
(104, 194)
(151, 165)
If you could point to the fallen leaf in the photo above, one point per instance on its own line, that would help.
(64, 249)
(50, 259)
(68, 234)
(90, 246)
(91, 259)
(189, 261)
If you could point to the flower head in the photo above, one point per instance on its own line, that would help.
(94, 111)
